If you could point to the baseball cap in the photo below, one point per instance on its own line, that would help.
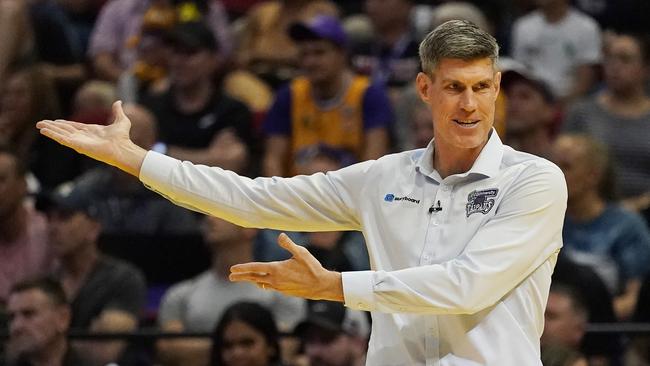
(319, 27)
(334, 317)
(68, 198)
(192, 36)
(512, 71)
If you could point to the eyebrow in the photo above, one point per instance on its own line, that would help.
(488, 80)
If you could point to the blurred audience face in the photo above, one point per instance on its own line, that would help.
(16, 102)
(624, 68)
(244, 345)
(325, 347)
(570, 155)
(190, 67)
(143, 126)
(70, 232)
(388, 13)
(563, 324)
(527, 107)
(422, 126)
(218, 232)
(321, 61)
(13, 186)
(35, 322)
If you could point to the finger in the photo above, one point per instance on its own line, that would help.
(60, 137)
(249, 276)
(285, 242)
(253, 267)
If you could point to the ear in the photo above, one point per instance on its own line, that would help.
(423, 84)
(497, 83)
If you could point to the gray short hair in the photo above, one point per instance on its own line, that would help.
(458, 39)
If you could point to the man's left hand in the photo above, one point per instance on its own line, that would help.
(301, 275)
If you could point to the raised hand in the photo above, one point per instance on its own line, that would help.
(300, 276)
(110, 144)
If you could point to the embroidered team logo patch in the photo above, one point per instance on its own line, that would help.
(480, 201)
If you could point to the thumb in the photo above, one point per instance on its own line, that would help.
(118, 112)
(285, 242)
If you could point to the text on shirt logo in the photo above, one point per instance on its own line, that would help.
(480, 201)
(391, 197)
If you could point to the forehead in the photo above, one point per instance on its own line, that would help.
(466, 71)
(32, 298)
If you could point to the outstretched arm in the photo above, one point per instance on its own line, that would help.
(110, 144)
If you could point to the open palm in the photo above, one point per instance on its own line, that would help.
(110, 144)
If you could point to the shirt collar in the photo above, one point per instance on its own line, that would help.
(487, 164)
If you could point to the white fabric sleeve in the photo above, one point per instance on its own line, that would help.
(524, 233)
(590, 50)
(320, 202)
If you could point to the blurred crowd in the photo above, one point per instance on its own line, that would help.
(286, 87)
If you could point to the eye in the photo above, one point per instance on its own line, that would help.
(482, 86)
(454, 86)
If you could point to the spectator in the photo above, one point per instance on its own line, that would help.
(197, 121)
(16, 34)
(329, 104)
(391, 57)
(531, 112)
(23, 231)
(333, 335)
(39, 320)
(264, 46)
(115, 39)
(413, 129)
(123, 205)
(562, 356)
(619, 115)
(613, 241)
(565, 319)
(195, 305)
(561, 45)
(106, 294)
(246, 335)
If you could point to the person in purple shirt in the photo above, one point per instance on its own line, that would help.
(329, 104)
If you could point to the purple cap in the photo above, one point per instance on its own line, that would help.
(320, 27)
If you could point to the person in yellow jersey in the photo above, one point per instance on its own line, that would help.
(327, 104)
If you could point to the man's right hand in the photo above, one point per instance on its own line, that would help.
(110, 144)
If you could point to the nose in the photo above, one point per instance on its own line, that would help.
(468, 100)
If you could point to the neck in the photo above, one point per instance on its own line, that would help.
(535, 141)
(52, 355)
(13, 224)
(556, 12)
(193, 98)
(390, 35)
(230, 254)
(78, 264)
(451, 160)
(586, 208)
(334, 87)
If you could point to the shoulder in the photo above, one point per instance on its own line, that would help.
(582, 20)
(119, 269)
(187, 287)
(534, 18)
(533, 171)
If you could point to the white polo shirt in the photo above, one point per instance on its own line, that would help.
(464, 283)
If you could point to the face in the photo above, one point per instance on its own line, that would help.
(191, 67)
(143, 126)
(569, 154)
(422, 126)
(69, 232)
(13, 187)
(562, 325)
(321, 60)
(217, 231)
(527, 108)
(35, 322)
(623, 65)
(462, 96)
(245, 346)
(326, 348)
(16, 102)
(385, 13)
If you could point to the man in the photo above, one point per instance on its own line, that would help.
(565, 317)
(598, 232)
(329, 104)
(197, 121)
(24, 251)
(106, 294)
(462, 242)
(333, 335)
(39, 319)
(197, 304)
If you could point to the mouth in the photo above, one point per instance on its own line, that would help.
(466, 122)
